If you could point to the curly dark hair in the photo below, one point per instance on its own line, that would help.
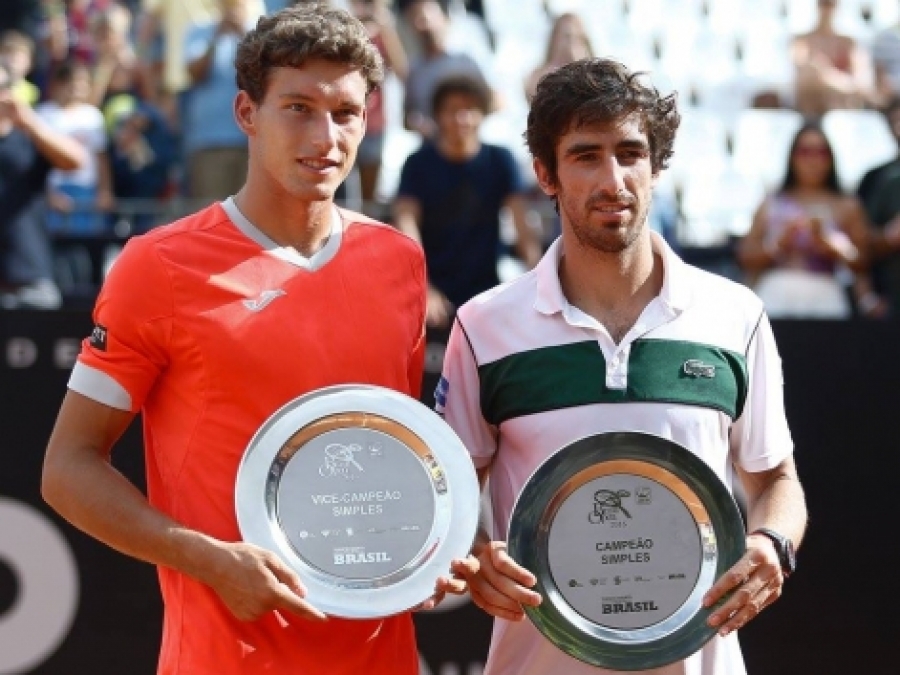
(591, 91)
(295, 35)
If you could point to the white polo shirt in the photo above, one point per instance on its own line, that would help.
(526, 374)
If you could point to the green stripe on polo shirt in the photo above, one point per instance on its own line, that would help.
(571, 375)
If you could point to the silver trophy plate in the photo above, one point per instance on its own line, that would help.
(366, 493)
(625, 533)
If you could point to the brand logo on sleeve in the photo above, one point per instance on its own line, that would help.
(98, 337)
(440, 395)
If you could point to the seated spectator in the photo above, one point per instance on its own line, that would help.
(802, 236)
(29, 149)
(430, 24)
(568, 42)
(76, 196)
(450, 196)
(879, 192)
(885, 50)
(216, 148)
(832, 70)
(17, 49)
(116, 69)
(376, 16)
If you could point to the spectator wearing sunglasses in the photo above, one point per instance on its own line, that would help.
(807, 237)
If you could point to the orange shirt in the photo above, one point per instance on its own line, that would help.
(208, 330)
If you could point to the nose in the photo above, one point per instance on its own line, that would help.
(465, 117)
(610, 177)
(323, 133)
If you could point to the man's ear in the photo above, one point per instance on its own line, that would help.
(245, 112)
(544, 178)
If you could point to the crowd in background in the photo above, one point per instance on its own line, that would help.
(144, 89)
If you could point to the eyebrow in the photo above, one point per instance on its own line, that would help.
(627, 144)
(296, 96)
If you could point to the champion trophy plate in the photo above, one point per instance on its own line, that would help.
(625, 533)
(366, 493)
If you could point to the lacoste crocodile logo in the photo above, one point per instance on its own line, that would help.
(262, 301)
(696, 368)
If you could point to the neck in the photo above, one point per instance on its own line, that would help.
(804, 191)
(461, 150)
(610, 284)
(302, 225)
(825, 25)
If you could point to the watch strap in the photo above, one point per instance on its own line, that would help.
(784, 547)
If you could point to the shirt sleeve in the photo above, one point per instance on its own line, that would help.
(459, 399)
(128, 348)
(760, 438)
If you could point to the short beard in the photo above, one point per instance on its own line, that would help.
(601, 239)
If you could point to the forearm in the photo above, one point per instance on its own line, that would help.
(394, 52)
(60, 150)
(483, 535)
(406, 218)
(93, 496)
(101, 79)
(780, 506)
(755, 257)
(104, 171)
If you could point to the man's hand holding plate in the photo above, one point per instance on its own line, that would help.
(251, 581)
(498, 584)
(754, 583)
(453, 585)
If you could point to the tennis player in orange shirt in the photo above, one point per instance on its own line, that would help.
(210, 324)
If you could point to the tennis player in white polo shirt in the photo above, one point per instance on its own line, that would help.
(600, 337)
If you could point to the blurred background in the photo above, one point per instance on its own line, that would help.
(146, 87)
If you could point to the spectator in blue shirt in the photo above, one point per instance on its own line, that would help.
(450, 196)
(215, 147)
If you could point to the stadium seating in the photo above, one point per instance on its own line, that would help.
(761, 142)
(861, 140)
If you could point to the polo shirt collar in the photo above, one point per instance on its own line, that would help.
(675, 291)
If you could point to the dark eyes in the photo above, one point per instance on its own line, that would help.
(624, 156)
(343, 114)
(346, 114)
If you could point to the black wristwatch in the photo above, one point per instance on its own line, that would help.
(784, 547)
